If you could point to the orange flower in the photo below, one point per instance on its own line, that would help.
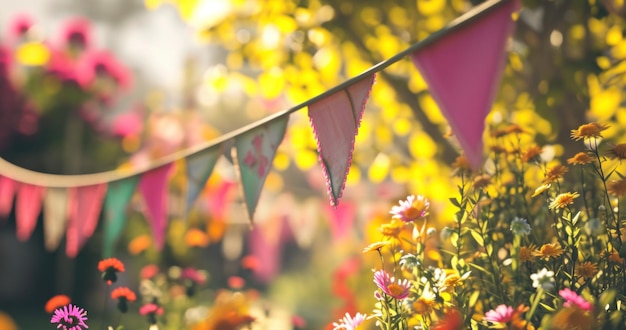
(618, 151)
(510, 129)
(531, 154)
(462, 165)
(617, 188)
(587, 131)
(563, 200)
(518, 322)
(139, 244)
(586, 270)
(6, 322)
(391, 229)
(573, 318)
(526, 253)
(451, 320)
(550, 250)
(615, 257)
(555, 173)
(124, 293)
(580, 158)
(423, 305)
(196, 238)
(56, 302)
(482, 181)
(109, 269)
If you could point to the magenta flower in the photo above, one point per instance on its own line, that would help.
(193, 275)
(573, 299)
(102, 65)
(151, 311)
(70, 317)
(397, 289)
(348, 322)
(19, 27)
(501, 314)
(411, 209)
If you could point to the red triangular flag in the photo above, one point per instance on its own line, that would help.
(27, 207)
(153, 187)
(8, 187)
(463, 71)
(84, 207)
(335, 121)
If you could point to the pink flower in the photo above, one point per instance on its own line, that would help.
(104, 65)
(398, 290)
(76, 33)
(413, 208)
(19, 27)
(348, 322)
(501, 314)
(70, 317)
(151, 311)
(127, 124)
(193, 275)
(573, 299)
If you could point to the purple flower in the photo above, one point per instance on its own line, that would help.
(501, 314)
(398, 290)
(573, 299)
(411, 209)
(348, 322)
(70, 317)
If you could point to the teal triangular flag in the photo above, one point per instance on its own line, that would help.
(199, 169)
(118, 195)
(255, 151)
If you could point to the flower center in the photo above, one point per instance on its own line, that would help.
(395, 290)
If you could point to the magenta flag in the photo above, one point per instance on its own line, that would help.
(84, 206)
(153, 188)
(335, 120)
(463, 71)
(27, 208)
(8, 188)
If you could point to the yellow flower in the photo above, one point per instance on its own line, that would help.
(563, 200)
(531, 154)
(586, 270)
(391, 229)
(541, 189)
(618, 151)
(580, 158)
(375, 246)
(550, 250)
(617, 188)
(526, 253)
(555, 173)
(587, 131)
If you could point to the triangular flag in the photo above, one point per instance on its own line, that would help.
(199, 168)
(118, 195)
(27, 207)
(336, 120)
(341, 220)
(8, 187)
(54, 216)
(463, 71)
(153, 187)
(255, 152)
(84, 206)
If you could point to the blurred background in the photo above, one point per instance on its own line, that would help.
(89, 86)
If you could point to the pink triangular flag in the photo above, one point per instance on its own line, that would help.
(336, 120)
(8, 188)
(341, 220)
(463, 71)
(54, 216)
(153, 187)
(84, 206)
(27, 207)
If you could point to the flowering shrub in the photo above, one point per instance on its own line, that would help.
(534, 244)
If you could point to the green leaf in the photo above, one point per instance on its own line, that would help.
(478, 237)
